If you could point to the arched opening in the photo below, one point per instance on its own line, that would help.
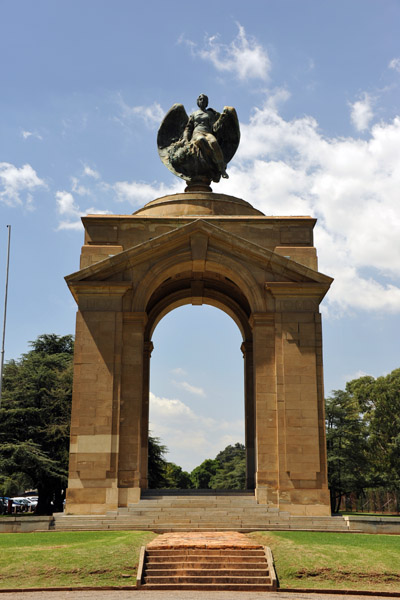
(197, 386)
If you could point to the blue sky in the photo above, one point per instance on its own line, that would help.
(84, 86)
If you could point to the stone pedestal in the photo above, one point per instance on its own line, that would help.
(198, 247)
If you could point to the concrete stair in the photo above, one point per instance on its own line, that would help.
(197, 510)
(240, 569)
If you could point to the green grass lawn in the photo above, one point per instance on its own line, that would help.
(94, 558)
(302, 559)
(334, 560)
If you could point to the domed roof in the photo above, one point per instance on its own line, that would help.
(193, 204)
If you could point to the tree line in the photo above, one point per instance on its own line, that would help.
(362, 430)
(226, 471)
(363, 443)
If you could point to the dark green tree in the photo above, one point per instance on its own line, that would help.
(176, 477)
(231, 473)
(347, 446)
(380, 402)
(156, 464)
(201, 476)
(35, 421)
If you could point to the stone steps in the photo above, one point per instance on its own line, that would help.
(197, 511)
(206, 569)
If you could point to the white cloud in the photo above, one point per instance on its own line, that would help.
(152, 115)
(244, 56)
(27, 134)
(178, 371)
(89, 172)
(139, 193)
(66, 203)
(68, 208)
(15, 181)
(351, 185)
(172, 408)
(79, 189)
(355, 375)
(395, 64)
(189, 436)
(361, 113)
(184, 385)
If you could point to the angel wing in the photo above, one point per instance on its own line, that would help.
(170, 131)
(227, 132)
(172, 126)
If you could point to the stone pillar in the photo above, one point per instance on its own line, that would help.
(267, 474)
(92, 484)
(129, 474)
(144, 434)
(301, 438)
(249, 414)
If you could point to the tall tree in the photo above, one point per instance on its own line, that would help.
(231, 472)
(35, 421)
(176, 477)
(226, 471)
(201, 476)
(156, 463)
(346, 435)
(379, 400)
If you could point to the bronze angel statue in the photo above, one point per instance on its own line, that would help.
(198, 148)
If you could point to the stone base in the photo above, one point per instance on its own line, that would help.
(297, 502)
(98, 501)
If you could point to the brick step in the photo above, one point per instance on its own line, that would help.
(206, 579)
(173, 566)
(193, 562)
(186, 571)
(226, 553)
(209, 587)
(195, 558)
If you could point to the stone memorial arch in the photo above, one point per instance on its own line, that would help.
(198, 247)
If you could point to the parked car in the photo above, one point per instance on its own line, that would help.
(33, 500)
(4, 505)
(20, 504)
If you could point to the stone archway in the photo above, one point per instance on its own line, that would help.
(198, 247)
(211, 297)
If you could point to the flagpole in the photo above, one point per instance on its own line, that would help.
(5, 312)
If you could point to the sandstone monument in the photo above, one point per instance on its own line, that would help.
(198, 247)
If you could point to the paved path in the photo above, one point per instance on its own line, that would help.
(201, 539)
(175, 595)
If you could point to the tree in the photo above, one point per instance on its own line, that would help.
(201, 476)
(176, 477)
(231, 473)
(161, 473)
(156, 463)
(380, 402)
(226, 471)
(346, 436)
(35, 421)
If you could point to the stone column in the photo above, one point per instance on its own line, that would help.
(144, 435)
(301, 440)
(132, 364)
(92, 484)
(267, 475)
(247, 349)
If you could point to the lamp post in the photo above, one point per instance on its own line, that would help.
(5, 312)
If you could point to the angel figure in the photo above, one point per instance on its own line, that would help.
(198, 148)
